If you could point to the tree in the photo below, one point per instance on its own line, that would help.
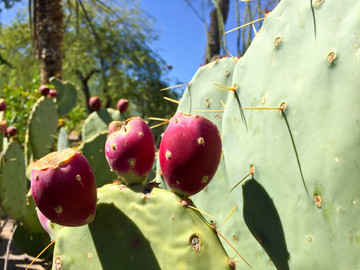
(104, 53)
(246, 12)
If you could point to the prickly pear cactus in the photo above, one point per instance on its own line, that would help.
(140, 228)
(29, 236)
(66, 96)
(292, 113)
(42, 128)
(98, 121)
(94, 151)
(13, 184)
(206, 95)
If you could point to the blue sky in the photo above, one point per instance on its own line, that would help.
(182, 36)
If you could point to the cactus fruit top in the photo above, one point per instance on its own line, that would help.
(2, 105)
(130, 150)
(95, 103)
(122, 105)
(11, 131)
(64, 189)
(44, 90)
(114, 126)
(190, 153)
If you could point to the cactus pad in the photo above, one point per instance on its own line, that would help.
(42, 127)
(13, 184)
(149, 230)
(66, 96)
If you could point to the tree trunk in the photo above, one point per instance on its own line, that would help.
(48, 31)
(214, 38)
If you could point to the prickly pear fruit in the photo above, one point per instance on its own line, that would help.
(122, 105)
(52, 93)
(2, 105)
(64, 189)
(44, 90)
(3, 126)
(130, 150)
(190, 152)
(95, 103)
(11, 131)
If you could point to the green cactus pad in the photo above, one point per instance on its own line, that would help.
(98, 121)
(42, 127)
(66, 96)
(205, 91)
(13, 185)
(94, 151)
(305, 158)
(133, 230)
(300, 208)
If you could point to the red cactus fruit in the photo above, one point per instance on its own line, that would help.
(52, 93)
(44, 90)
(122, 105)
(3, 126)
(190, 152)
(11, 131)
(130, 150)
(2, 105)
(95, 103)
(64, 189)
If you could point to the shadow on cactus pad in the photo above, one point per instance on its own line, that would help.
(263, 221)
(128, 245)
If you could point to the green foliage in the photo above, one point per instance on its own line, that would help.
(15, 40)
(19, 101)
(112, 47)
(74, 118)
(116, 47)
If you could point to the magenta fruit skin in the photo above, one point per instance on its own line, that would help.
(190, 152)
(3, 127)
(44, 90)
(65, 192)
(52, 93)
(11, 131)
(95, 103)
(44, 221)
(130, 151)
(122, 105)
(2, 105)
